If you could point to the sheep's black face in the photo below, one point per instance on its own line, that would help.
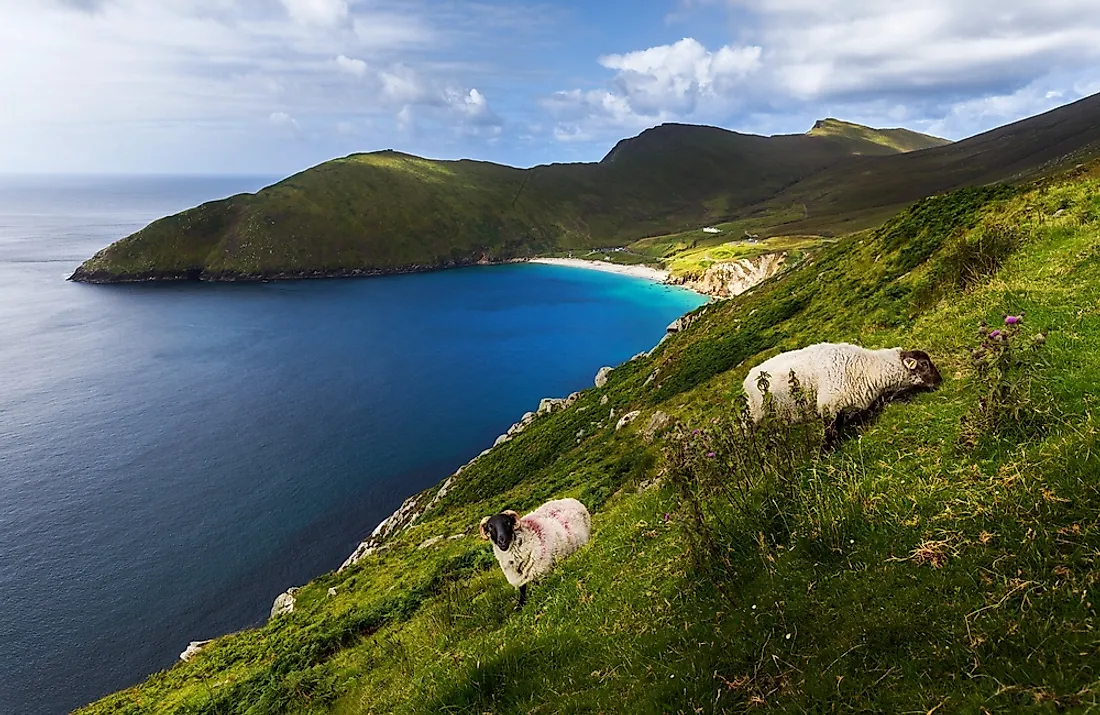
(501, 530)
(921, 369)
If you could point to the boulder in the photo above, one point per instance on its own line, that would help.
(627, 419)
(602, 375)
(284, 602)
(428, 543)
(193, 649)
(658, 422)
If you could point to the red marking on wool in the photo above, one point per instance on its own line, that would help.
(534, 528)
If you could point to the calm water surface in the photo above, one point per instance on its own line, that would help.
(173, 457)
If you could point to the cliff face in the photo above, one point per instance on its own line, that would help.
(732, 278)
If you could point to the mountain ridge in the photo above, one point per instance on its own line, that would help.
(369, 213)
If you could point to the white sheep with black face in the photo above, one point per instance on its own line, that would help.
(528, 547)
(840, 379)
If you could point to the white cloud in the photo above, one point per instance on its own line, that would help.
(84, 82)
(934, 60)
(674, 78)
(351, 65)
(654, 85)
(282, 119)
(323, 13)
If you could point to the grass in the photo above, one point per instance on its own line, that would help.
(924, 565)
(388, 211)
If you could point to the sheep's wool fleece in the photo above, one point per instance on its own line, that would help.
(550, 533)
(841, 375)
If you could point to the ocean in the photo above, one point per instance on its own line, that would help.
(172, 457)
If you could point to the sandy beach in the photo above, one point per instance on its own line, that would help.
(646, 272)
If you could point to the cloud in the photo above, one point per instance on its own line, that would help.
(282, 119)
(420, 95)
(323, 13)
(936, 62)
(351, 66)
(654, 85)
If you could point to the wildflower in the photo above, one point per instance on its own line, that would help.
(996, 335)
(668, 517)
(1013, 319)
(695, 431)
(710, 455)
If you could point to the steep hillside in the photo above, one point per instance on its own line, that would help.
(386, 211)
(943, 558)
(865, 191)
(884, 141)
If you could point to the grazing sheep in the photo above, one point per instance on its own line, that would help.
(527, 547)
(842, 378)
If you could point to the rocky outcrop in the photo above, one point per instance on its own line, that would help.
(658, 422)
(626, 419)
(602, 376)
(193, 649)
(732, 278)
(284, 602)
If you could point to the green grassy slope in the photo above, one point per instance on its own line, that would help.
(885, 141)
(943, 559)
(866, 191)
(387, 211)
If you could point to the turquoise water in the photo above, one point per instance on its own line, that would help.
(174, 456)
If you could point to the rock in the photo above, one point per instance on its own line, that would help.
(604, 400)
(658, 422)
(549, 404)
(428, 543)
(501, 440)
(456, 537)
(639, 356)
(193, 649)
(284, 602)
(580, 433)
(602, 375)
(731, 278)
(573, 397)
(332, 592)
(651, 378)
(627, 419)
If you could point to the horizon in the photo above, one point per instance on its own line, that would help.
(259, 87)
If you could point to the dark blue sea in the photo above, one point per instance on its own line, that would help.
(172, 457)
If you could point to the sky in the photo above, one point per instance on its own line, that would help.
(275, 86)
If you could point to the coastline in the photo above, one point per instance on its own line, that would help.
(649, 273)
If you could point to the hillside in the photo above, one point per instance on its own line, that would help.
(867, 190)
(884, 141)
(942, 559)
(390, 212)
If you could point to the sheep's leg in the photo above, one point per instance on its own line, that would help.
(833, 426)
(522, 596)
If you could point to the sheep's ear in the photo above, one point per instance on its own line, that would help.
(481, 528)
(514, 515)
(909, 363)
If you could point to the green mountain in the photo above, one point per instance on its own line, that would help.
(885, 141)
(944, 558)
(390, 212)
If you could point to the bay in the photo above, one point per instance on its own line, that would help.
(174, 456)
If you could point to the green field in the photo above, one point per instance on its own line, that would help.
(942, 559)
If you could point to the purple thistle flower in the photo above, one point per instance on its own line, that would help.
(695, 431)
(1012, 319)
(668, 517)
(996, 334)
(710, 455)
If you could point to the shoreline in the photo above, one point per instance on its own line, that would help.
(657, 275)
